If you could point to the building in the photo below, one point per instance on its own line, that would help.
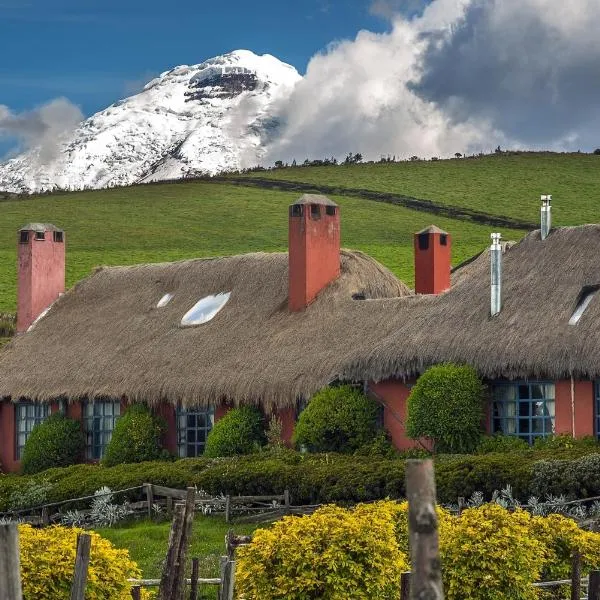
(195, 337)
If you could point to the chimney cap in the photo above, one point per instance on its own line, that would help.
(40, 227)
(314, 199)
(432, 229)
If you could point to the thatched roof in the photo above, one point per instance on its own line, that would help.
(106, 337)
(531, 337)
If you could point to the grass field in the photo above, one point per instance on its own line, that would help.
(508, 185)
(174, 221)
(147, 544)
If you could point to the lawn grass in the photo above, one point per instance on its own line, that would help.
(174, 221)
(147, 544)
(504, 184)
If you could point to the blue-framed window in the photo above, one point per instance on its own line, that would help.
(27, 416)
(99, 420)
(597, 397)
(193, 427)
(523, 408)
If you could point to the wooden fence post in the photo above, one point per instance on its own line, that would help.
(45, 516)
(82, 561)
(172, 582)
(227, 508)
(286, 500)
(169, 575)
(576, 576)
(594, 586)
(10, 566)
(426, 578)
(227, 578)
(405, 586)
(136, 592)
(149, 498)
(194, 579)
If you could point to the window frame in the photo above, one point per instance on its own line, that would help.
(37, 419)
(498, 424)
(182, 413)
(93, 435)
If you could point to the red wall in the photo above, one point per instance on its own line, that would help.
(41, 276)
(432, 266)
(394, 395)
(584, 407)
(7, 438)
(314, 254)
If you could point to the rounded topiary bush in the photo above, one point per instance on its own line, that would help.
(48, 558)
(136, 437)
(56, 442)
(446, 406)
(337, 419)
(240, 431)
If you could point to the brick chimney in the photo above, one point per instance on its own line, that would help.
(314, 248)
(432, 261)
(41, 270)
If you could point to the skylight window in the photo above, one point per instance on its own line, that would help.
(584, 301)
(204, 310)
(164, 300)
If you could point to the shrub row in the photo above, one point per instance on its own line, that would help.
(321, 478)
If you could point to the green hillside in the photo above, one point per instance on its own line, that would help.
(174, 221)
(504, 184)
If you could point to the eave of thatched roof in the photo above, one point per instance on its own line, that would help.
(106, 338)
(531, 337)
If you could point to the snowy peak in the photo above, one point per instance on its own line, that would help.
(200, 119)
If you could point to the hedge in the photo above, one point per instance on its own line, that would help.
(321, 478)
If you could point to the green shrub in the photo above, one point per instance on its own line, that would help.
(565, 441)
(501, 443)
(136, 437)
(446, 406)
(381, 445)
(240, 431)
(321, 478)
(56, 442)
(337, 419)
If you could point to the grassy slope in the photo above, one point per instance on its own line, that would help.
(147, 543)
(507, 185)
(174, 221)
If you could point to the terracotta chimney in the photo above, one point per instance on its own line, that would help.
(432, 261)
(314, 248)
(41, 270)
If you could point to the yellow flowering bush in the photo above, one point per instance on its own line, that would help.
(333, 554)
(488, 554)
(48, 559)
(561, 537)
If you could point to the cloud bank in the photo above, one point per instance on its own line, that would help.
(456, 76)
(43, 128)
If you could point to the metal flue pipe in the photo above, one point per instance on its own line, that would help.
(546, 220)
(496, 274)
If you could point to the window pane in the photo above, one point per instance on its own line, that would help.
(524, 409)
(523, 392)
(537, 391)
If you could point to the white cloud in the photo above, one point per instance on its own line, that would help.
(44, 128)
(465, 75)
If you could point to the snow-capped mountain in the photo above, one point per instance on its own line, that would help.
(199, 119)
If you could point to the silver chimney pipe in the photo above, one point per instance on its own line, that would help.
(546, 215)
(496, 274)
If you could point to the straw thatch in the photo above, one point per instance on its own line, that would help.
(106, 338)
(531, 337)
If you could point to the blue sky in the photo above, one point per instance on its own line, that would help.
(96, 51)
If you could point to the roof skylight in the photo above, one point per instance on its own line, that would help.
(164, 300)
(584, 301)
(204, 310)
